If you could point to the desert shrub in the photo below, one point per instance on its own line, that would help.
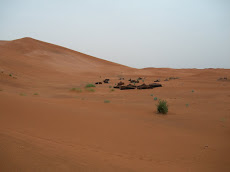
(36, 94)
(90, 85)
(22, 94)
(170, 78)
(110, 86)
(106, 101)
(76, 90)
(112, 90)
(193, 91)
(10, 74)
(155, 98)
(187, 105)
(90, 89)
(151, 95)
(162, 106)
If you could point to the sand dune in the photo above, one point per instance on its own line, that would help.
(36, 56)
(44, 126)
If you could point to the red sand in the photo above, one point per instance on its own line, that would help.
(63, 130)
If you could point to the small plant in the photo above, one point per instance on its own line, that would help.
(112, 90)
(222, 119)
(193, 91)
(162, 107)
(22, 94)
(90, 89)
(36, 94)
(90, 85)
(110, 86)
(187, 105)
(151, 95)
(76, 90)
(170, 78)
(10, 74)
(143, 80)
(155, 98)
(106, 101)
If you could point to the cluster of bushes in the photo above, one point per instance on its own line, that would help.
(162, 106)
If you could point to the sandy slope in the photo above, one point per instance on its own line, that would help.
(63, 130)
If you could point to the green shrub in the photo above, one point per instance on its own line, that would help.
(112, 90)
(173, 78)
(106, 101)
(10, 74)
(223, 119)
(110, 86)
(22, 94)
(151, 95)
(90, 85)
(90, 89)
(193, 91)
(162, 106)
(187, 105)
(76, 90)
(36, 94)
(155, 98)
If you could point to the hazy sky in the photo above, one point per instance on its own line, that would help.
(137, 33)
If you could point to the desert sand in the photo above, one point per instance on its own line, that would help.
(47, 126)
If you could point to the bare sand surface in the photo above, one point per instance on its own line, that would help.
(46, 126)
